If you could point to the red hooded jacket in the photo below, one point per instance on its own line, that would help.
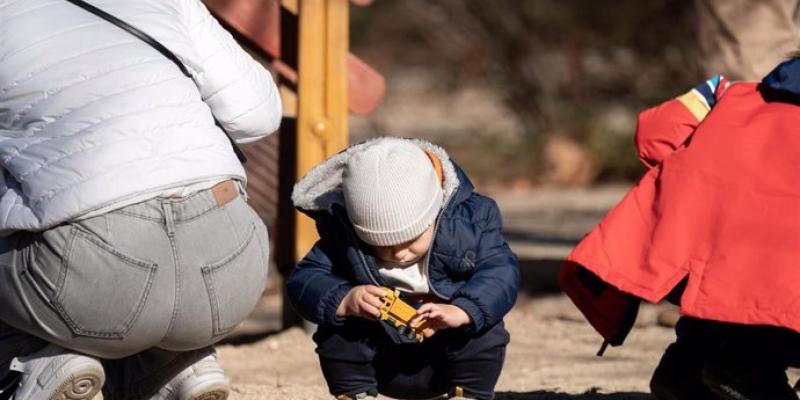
(719, 207)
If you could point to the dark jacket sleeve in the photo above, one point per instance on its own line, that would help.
(314, 290)
(492, 289)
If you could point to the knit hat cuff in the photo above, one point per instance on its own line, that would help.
(411, 231)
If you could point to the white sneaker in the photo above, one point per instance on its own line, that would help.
(53, 373)
(204, 380)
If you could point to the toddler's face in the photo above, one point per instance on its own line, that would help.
(408, 253)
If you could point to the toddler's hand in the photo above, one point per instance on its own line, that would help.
(362, 301)
(440, 316)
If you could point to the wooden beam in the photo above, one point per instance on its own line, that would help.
(258, 21)
(322, 93)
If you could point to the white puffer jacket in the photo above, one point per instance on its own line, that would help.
(91, 116)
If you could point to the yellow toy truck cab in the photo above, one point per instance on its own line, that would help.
(399, 313)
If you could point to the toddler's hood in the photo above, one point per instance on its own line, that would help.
(321, 187)
(785, 80)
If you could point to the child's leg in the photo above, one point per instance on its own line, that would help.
(752, 362)
(679, 373)
(474, 362)
(363, 358)
(700, 337)
(776, 347)
(412, 371)
(346, 354)
(360, 358)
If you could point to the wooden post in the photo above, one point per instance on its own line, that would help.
(308, 42)
(322, 94)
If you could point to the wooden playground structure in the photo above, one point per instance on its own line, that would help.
(306, 43)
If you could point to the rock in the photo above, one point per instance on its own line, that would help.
(567, 162)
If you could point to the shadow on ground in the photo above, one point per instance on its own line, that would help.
(590, 395)
(248, 338)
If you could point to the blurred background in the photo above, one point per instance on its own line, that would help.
(524, 93)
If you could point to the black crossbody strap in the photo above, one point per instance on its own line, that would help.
(161, 49)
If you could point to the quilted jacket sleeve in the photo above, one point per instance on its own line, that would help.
(241, 93)
(492, 290)
(313, 288)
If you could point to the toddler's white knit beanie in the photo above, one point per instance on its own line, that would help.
(391, 191)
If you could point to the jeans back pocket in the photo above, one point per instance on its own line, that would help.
(235, 284)
(101, 292)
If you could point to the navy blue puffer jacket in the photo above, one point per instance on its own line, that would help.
(470, 264)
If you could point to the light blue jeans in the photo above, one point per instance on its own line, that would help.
(152, 286)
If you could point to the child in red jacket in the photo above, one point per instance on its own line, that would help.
(713, 225)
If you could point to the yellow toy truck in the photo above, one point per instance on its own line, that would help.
(399, 313)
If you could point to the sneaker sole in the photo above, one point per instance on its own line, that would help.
(214, 394)
(84, 385)
(209, 387)
(727, 393)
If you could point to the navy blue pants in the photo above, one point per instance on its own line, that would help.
(363, 357)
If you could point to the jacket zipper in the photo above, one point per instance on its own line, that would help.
(430, 250)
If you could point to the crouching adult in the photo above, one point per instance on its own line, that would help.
(128, 249)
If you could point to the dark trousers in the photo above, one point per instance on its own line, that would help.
(766, 346)
(362, 357)
(763, 346)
